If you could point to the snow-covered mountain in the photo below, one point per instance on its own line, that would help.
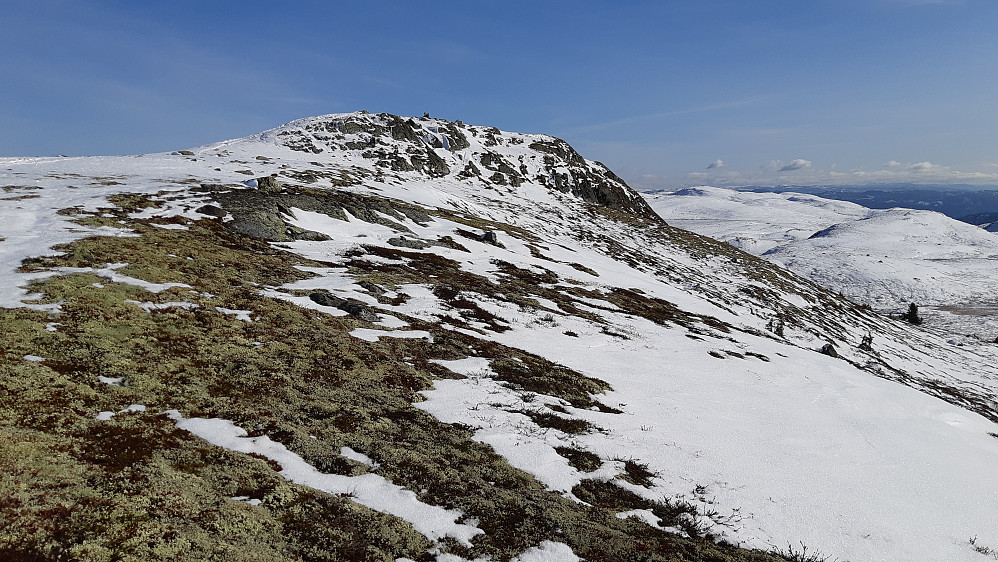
(884, 258)
(362, 336)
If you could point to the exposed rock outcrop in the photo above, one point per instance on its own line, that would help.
(268, 184)
(267, 214)
(409, 148)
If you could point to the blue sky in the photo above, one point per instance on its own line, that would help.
(666, 93)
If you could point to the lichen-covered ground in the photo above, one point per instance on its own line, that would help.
(135, 487)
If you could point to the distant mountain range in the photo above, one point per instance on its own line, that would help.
(967, 203)
(987, 221)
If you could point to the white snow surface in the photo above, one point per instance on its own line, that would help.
(359, 457)
(548, 551)
(242, 315)
(107, 415)
(796, 448)
(368, 334)
(885, 258)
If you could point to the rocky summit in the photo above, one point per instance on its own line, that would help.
(370, 337)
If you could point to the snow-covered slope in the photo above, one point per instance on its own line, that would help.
(884, 258)
(491, 343)
(754, 222)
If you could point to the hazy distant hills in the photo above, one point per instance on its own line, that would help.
(987, 221)
(962, 202)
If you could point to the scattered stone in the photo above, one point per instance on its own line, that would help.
(360, 311)
(297, 233)
(829, 350)
(372, 288)
(185, 153)
(268, 183)
(326, 299)
(211, 211)
(470, 170)
(448, 242)
(402, 242)
(352, 308)
(488, 237)
(213, 187)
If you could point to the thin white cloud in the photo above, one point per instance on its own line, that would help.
(651, 116)
(792, 166)
(796, 164)
(802, 172)
(715, 164)
(920, 2)
(918, 172)
(916, 167)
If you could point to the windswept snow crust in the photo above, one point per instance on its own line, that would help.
(623, 364)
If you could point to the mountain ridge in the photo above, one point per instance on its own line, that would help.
(362, 133)
(953, 200)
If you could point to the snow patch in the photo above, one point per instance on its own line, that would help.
(370, 490)
(548, 551)
(151, 306)
(359, 457)
(243, 315)
(371, 335)
(107, 415)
